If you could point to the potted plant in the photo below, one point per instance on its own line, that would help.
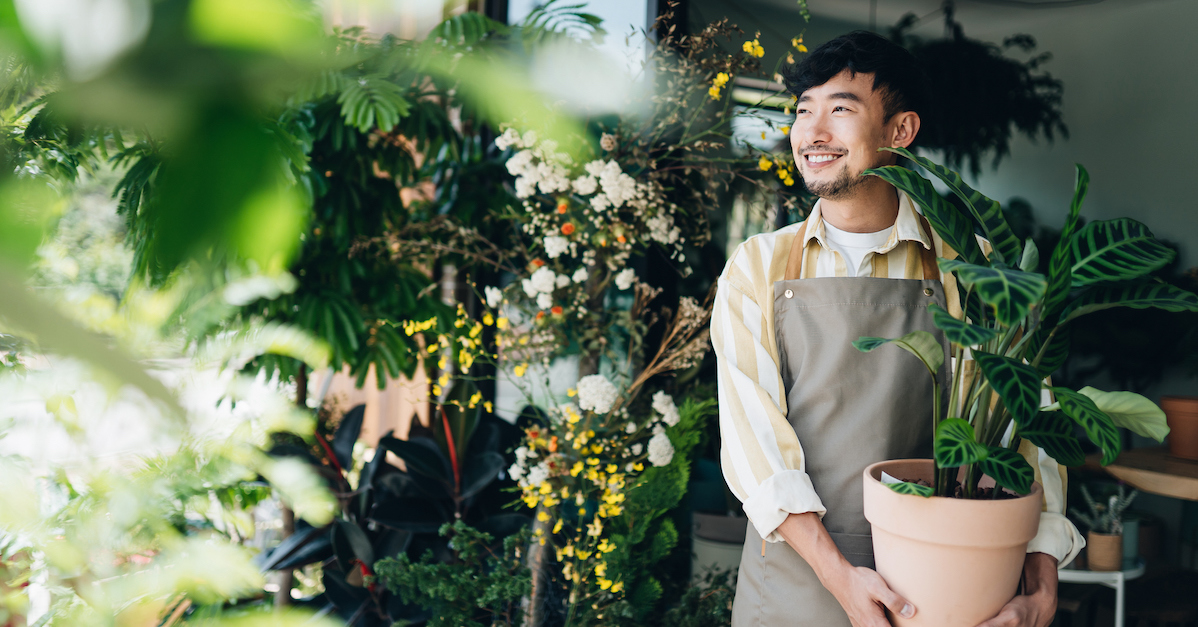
(950, 536)
(1104, 542)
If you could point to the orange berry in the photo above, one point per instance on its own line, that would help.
(537, 263)
(561, 207)
(620, 238)
(567, 228)
(557, 310)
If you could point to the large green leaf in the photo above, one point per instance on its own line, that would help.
(1116, 250)
(987, 212)
(1142, 296)
(1059, 264)
(954, 227)
(1098, 426)
(956, 444)
(1057, 351)
(919, 343)
(958, 331)
(906, 487)
(1130, 411)
(1031, 256)
(1017, 384)
(1053, 432)
(1010, 292)
(1009, 469)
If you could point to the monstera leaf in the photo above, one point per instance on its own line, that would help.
(987, 212)
(1009, 469)
(1010, 292)
(1142, 296)
(1017, 384)
(954, 227)
(1116, 250)
(956, 444)
(919, 343)
(1098, 426)
(1053, 432)
(958, 331)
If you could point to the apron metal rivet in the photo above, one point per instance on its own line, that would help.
(788, 293)
(927, 291)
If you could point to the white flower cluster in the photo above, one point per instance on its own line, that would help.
(555, 246)
(518, 469)
(664, 404)
(662, 229)
(625, 278)
(618, 187)
(537, 166)
(494, 296)
(596, 393)
(541, 285)
(661, 451)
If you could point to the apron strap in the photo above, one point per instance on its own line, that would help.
(794, 262)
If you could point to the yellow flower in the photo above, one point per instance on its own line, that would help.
(466, 359)
(543, 516)
(604, 584)
(714, 92)
(476, 329)
(785, 129)
(611, 468)
(592, 462)
(545, 488)
(519, 370)
(638, 466)
(576, 469)
(763, 134)
(790, 58)
(489, 407)
(488, 319)
(441, 363)
(444, 380)
(601, 569)
(501, 323)
(436, 390)
(797, 42)
(618, 586)
(754, 48)
(531, 501)
(720, 79)
(764, 163)
(571, 392)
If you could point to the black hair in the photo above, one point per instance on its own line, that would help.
(896, 72)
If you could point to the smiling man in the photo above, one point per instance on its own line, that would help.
(802, 413)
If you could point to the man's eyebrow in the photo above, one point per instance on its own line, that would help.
(840, 95)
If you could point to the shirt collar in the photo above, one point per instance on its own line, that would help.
(906, 226)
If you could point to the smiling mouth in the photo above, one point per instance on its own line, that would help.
(819, 159)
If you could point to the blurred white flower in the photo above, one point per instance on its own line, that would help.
(539, 473)
(562, 280)
(530, 138)
(637, 448)
(525, 187)
(596, 393)
(664, 404)
(509, 138)
(581, 275)
(516, 471)
(494, 296)
(586, 185)
(543, 280)
(520, 163)
(544, 301)
(630, 428)
(555, 245)
(662, 229)
(661, 451)
(625, 278)
(607, 142)
(599, 202)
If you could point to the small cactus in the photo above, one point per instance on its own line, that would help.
(1105, 517)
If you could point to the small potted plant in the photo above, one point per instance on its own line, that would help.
(950, 533)
(1104, 542)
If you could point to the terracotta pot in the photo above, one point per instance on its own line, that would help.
(1181, 412)
(1104, 551)
(958, 561)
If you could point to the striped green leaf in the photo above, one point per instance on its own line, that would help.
(1017, 384)
(1053, 432)
(906, 487)
(1060, 276)
(956, 445)
(954, 227)
(1130, 411)
(987, 212)
(1057, 351)
(1009, 469)
(958, 331)
(1098, 426)
(1116, 250)
(1010, 292)
(1142, 296)
(919, 343)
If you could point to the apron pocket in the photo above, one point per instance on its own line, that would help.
(858, 548)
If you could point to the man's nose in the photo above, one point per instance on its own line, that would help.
(816, 131)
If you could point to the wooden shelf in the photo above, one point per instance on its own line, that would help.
(1153, 470)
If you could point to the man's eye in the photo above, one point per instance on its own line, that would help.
(841, 109)
(800, 111)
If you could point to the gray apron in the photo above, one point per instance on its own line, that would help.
(849, 409)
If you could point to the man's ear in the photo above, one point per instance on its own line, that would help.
(905, 128)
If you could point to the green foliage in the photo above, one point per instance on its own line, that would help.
(1098, 426)
(959, 331)
(956, 444)
(1017, 384)
(1116, 250)
(906, 487)
(1105, 517)
(1008, 469)
(919, 343)
(956, 228)
(480, 587)
(1055, 436)
(1010, 293)
(707, 603)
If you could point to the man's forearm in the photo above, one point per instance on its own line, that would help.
(1040, 576)
(805, 533)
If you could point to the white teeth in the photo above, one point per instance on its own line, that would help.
(821, 158)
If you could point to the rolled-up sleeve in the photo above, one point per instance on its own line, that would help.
(1057, 535)
(761, 457)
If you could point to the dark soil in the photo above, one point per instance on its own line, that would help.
(983, 494)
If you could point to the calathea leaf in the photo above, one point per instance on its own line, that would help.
(1130, 411)
(1053, 432)
(987, 212)
(1057, 351)
(1009, 469)
(919, 343)
(1142, 296)
(1010, 292)
(1017, 384)
(906, 487)
(1031, 256)
(1060, 277)
(956, 445)
(958, 331)
(1098, 426)
(954, 227)
(1116, 250)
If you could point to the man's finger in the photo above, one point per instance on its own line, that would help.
(893, 601)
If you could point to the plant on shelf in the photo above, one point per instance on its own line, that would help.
(1017, 332)
(1105, 517)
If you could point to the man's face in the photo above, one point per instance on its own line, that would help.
(837, 131)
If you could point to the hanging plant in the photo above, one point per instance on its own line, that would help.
(978, 96)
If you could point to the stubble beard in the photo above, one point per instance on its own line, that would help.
(839, 188)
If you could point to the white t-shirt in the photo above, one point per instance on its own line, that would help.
(854, 246)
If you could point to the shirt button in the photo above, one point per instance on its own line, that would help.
(788, 294)
(927, 291)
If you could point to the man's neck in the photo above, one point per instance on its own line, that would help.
(873, 207)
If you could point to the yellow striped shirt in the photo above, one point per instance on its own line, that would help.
(761, 456)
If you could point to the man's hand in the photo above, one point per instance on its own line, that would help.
(863, 594)
(1037, 606)
(861, 591)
